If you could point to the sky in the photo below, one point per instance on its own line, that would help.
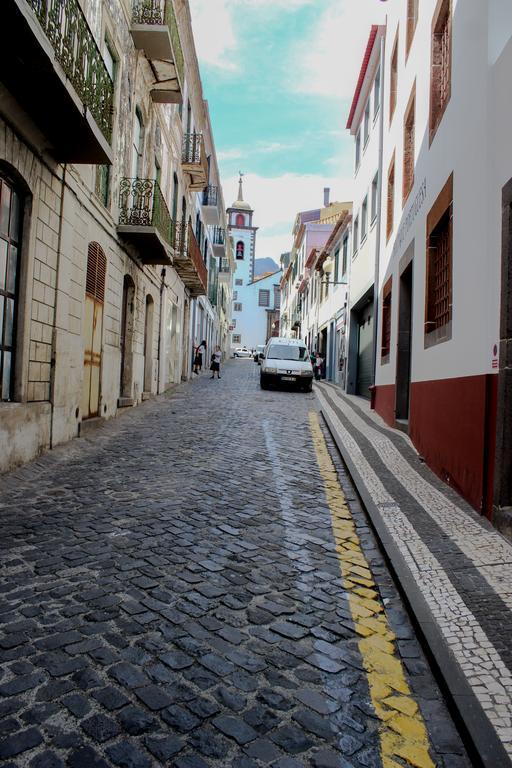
(279, 77)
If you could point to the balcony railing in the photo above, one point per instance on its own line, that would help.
(224, 266)
(193, 159)
(210, 194)
(65, 26)
(218, 236)
(161, 13)
(141, 203)
(188, 261)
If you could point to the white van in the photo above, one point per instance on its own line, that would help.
(286, 361)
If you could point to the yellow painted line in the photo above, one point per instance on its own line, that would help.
(402, 731)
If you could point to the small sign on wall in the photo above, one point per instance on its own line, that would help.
(494, 362)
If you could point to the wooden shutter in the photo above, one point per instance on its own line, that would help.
(96, 271)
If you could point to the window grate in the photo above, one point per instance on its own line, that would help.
(96, 271)
(441, 267)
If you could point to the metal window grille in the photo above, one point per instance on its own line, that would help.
(386, 325)
(440, 273)
(391, 198)
(409, 151)
(10, 233)
(441, 65)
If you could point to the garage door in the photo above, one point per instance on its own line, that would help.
(365, 351)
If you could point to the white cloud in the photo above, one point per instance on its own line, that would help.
(276, 202)
(230, 154)
(330, 59)
(214, 34)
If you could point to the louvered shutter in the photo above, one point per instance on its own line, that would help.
(96, 271)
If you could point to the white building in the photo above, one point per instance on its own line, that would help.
(255, 315)
(445, 245)
(365, 124)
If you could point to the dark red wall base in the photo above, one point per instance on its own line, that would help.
(452, 424)
(385, 403)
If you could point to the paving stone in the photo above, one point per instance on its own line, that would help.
(163, 747)
(177, 660)
(231, 699)
(264, 750)
(77, 704)
(235, 728)
(327, 758)
(86, 757)
(110, 698)
(292, 739)
(203, 707)
(100, 727)
(17, 743)
(126, 755)
(46, 759)
(180, 718)
(21, 684)
(128, 675)
(287, 629)
(208, 741)
(153, 697)
(190, 761)
(321, 703)
(135, 721)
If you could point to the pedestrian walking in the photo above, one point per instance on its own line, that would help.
(318, 367)
(215, 362)
(198, 357)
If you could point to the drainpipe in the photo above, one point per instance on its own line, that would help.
(379, 217)
(162, 286)
(54, 329)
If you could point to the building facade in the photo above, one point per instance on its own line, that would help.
(106, 154)
(441, 370)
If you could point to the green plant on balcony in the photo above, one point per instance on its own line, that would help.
(141, 203)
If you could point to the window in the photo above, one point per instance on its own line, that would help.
(336, 265)
(233, 323)
(240, 247)
(441, 64)
(355, 236)
(137, 145)
(375, 192)
(438, 303)
(364, 219)
(240, 220)
(391, 198)
(412, 20)
(239, 281)
(358, 148)
(10, 232)
(277, 297)
(366, 127)
(237, 339)
(376, 94)
(237, 306)
(393, 79)
(409, 129)
(235, 295)
(386, 322)
(263, 298)
(344, 261)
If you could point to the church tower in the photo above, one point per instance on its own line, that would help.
(244, 236)
(241, 229)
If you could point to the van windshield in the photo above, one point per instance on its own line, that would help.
(285, 352)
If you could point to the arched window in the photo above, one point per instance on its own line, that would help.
(240, 220)
(240, 250)
(10, 235)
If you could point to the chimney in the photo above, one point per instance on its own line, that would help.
(327, 194)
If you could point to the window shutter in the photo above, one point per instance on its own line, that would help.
(96, 272)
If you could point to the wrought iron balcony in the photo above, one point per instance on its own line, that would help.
(218, 240)
(188, 261)
(194, 160)
(154, 29)
(53, 69)
(209, 201)
(224, 267)
(145, 221)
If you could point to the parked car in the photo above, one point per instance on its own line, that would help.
(259, 354)
(286, 361)
(242, 352)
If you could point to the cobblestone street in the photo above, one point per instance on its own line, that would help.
(172, 594)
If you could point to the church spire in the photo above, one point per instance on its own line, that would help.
(240, 198)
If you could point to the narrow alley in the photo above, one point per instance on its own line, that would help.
(174, 594)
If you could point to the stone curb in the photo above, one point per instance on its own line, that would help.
(480, 738)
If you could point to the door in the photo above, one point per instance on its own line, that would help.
(403, 362)
(148, 344)
(93, 330)
(365, 351)
(127, 309)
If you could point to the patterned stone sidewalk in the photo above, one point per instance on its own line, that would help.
(454, 568)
